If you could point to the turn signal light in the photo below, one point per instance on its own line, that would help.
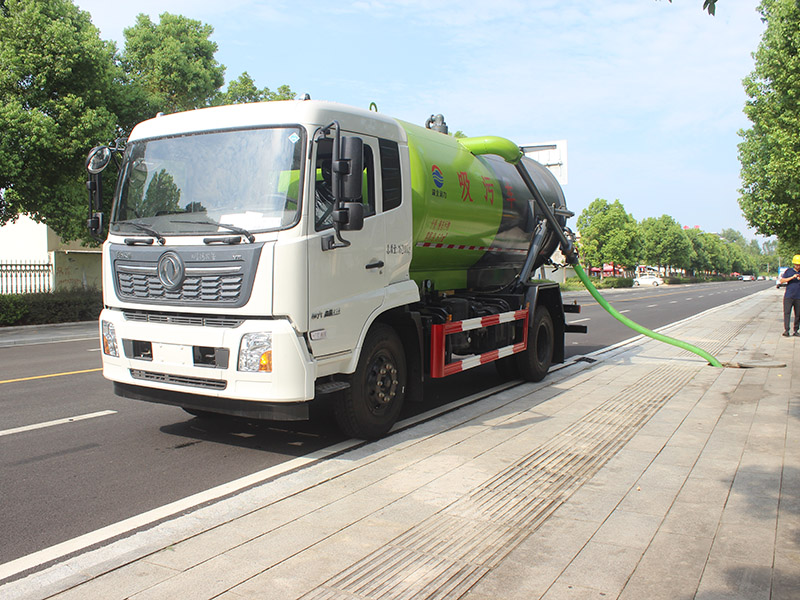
(265, 364)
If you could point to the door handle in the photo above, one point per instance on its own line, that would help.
(375, 265)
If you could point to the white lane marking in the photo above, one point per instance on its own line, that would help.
(622, 312)
(673, 301)
(581, 320)
(94, 415)
(652, 305)
(690, 298)
(93, 350)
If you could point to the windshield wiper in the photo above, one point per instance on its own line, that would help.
(250, 237)
(149, 230)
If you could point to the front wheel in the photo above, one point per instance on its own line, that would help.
(372, 403)
(535, 361)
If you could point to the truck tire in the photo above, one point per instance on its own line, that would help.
(372, 403)
(535, 361)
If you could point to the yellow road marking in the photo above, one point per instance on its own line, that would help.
(51, 375)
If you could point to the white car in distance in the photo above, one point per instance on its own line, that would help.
(648, 280)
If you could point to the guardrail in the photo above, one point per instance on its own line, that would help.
(25, 277)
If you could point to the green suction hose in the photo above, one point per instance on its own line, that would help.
(513, 155)
(635, 326)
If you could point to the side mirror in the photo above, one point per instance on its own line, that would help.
(96, 162)
(98, 159)
(95, 224)
(350, 217)
(347, 174)
(352, 181)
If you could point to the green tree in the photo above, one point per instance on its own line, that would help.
(608, 234)
(770, 150)
(770, 258)
(748, 257)
(717, 253)
(243, 89)
(740, 261)
(58, 95)
(173, 62)
(664, 243)
(734, 237)
(700, 261)
(785, 253)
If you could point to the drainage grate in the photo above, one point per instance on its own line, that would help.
(445, 555)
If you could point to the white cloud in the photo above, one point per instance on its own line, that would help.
(111, 18)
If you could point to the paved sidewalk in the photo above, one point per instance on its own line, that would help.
(644, 475)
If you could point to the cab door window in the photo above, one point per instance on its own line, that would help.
(391, 176)
(323, 192)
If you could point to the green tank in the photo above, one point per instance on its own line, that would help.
(473, 216)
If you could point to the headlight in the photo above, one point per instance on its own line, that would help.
(109, 339)
(255, 353)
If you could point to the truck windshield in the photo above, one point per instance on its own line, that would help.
(187, 184)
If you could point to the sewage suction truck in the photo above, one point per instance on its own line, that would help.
(261, 257)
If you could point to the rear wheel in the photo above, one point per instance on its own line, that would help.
(372, 403)
(535, 361)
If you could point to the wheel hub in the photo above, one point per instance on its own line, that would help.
(382, 383)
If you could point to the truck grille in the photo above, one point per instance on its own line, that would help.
(203, 277)
(210, 384)
(182, 319)
(217, 288)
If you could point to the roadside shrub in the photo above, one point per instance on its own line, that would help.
(613, 282)
(571, 284)
(65, 306)
(12, 309)
(574, 283)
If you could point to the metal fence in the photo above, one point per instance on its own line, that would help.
(25, 277)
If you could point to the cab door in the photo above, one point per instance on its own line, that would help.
(346, 285)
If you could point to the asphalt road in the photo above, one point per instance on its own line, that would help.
(75, 476)
(652, 307)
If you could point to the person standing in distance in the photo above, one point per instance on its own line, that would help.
(791, 297)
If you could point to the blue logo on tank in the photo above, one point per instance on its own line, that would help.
(438, 178)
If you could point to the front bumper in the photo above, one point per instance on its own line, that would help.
(174, 363)
(251, 409)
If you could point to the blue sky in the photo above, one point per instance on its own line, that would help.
(647, 94)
